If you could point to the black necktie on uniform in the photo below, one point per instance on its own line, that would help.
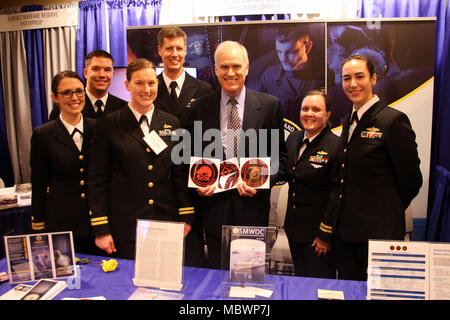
(301, 150)
(78, 141)
(350, 127)
(99, 105)
(142, 119)
(75, 131)
(354, 117)
(306, 142)
(173, 93)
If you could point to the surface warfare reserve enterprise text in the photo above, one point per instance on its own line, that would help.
(230, 309)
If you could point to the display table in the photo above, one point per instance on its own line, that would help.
(198, 284)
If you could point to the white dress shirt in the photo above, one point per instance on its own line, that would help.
(77, 137)
(179, 81)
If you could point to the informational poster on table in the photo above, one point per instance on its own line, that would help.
(408, 270)
(159, 254)
(39, 256)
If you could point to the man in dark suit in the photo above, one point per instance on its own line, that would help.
(98, 72)
(380, 173)
(176, 91)
(249, 109)
(129, 177)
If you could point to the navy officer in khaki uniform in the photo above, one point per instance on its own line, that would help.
(379, 175)
(130, 178)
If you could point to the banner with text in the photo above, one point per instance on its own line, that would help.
(39, 19)
(290, 58)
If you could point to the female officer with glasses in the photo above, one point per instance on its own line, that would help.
(59, 158)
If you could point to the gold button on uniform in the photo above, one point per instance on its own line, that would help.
(148, 149)
(150, 184)
(82, 183)
(150, 202)
(150, 167)
(81, 170)
(83, 196)
(81, 157)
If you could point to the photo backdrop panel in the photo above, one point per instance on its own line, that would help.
(286, 59)
(402, 51)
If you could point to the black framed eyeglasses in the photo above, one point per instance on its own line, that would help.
(69, 93)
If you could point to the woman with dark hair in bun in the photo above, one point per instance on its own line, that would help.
(59, 162)
(380, 171)
(311, 170)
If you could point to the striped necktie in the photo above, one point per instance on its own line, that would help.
(233, 126)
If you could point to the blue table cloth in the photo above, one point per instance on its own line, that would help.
(198, 284)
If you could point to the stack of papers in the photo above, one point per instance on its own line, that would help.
(45, 289)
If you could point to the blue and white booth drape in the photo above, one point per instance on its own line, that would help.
(102, 25)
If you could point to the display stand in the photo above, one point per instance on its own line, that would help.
(159, 255)
(245, 253)
(38, 256)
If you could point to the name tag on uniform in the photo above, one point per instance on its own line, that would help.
(154, 141)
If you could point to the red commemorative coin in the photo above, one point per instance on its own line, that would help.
(228, 175)
(254, 173)
(204, 173)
